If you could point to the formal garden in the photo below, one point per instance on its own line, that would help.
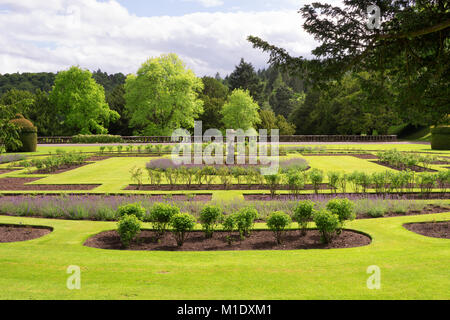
(128, 214)
(113, 175)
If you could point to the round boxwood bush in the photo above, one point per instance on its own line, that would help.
(128, 228)
(327, 223)
(160, 216)
(278, 222)
(131, 209)
(245, 218)
(440, 138)
(27, 134)
(181, 223)
(343, 208)
(210, 217)
(303, 213)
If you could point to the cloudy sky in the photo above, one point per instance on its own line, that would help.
(118, 35)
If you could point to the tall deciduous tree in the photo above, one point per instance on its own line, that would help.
(116, 101)
(214, 96)
(9, 135)
(163, 96)
(411, 47)
(81, 102)
(44, 117)
(270, 121)
(241, 111)
(18, 101)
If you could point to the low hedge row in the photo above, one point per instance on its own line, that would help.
(440, 139)
(100, 138)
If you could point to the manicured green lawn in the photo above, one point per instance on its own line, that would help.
(412, 267)
(347, 164)
(417, 147)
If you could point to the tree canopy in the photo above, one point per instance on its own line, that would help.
(80, 102)
(240, 111)
(214, 96)
(245, 77)
(410, 50)
(163, 96)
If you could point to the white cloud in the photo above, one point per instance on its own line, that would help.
(207, 3)
(105, 35)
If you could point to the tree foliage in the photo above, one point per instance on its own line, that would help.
(270, 121)
(80, 101)
(244, 77)
(411, 50)
(163, 96)
(214, 96)
(241, 111)
(116, 101)
(9, 133)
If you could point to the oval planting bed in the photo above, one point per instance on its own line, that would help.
(431, 229)
(259, 240)
(16, 233)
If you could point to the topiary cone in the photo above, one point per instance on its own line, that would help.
(440, 138)
(27, 133)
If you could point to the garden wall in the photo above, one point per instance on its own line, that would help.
(302, 138)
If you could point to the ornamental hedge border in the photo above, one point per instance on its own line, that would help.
(440, 138)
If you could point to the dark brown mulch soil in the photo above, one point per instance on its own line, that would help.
(19, 184)
(412, 168)
(431, 229)
(98, 158)
(2, 171)
(15, 233)
(321, 196)
(430, 209)
(246, 187)
(365, 156)
(440, 162)
(259, 240)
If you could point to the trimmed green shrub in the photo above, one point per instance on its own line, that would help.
(440, 138)
(97, 138)
(333, 180)
(27, 135)
(53, 163)
(181, 223)
(343, 209)
(426, 181)
(278, 222)
(327, 223)
(316, 177)
(137, 176)
(303, 213)
(295, 180)
(229, 225)
(128, 228)
(245, 218)
(273, 181)
(210, 217)
(131, 209)
(443, 179)
(161, 215)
